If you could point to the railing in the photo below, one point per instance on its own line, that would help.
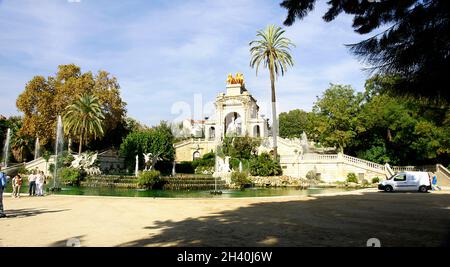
(443, 170)
(320, 157)
(404, 168)
(363, 162)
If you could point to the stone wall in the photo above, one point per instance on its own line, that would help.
(184, 151)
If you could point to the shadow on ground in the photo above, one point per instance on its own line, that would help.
(22, 213)
(397, 219)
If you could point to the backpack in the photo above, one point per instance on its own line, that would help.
(3, 180)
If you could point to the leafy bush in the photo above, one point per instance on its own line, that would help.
(312, 176)
(240, 179)
(70, 175)
(149, 179)
(264, 165)
(22, 170)
(204, 170)
(208, 160)
(375, 180)
(364, 182)
(351, 178)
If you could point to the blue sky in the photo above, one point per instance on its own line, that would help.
(165, 54)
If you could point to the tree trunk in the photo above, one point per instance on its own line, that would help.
(81, 143)
(274, 114)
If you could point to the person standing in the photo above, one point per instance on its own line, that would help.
(17, 184)
(434, 183)
(3, 182)
(40, 179)
(32, 184)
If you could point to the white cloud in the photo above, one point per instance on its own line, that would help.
(164, 52)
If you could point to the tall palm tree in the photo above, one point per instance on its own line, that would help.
(84, 119)
(273, 50)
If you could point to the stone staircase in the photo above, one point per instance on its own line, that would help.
(443, 175)
(193, 182)
(179, 182)
(110, 181)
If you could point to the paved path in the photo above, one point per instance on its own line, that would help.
(342, 219)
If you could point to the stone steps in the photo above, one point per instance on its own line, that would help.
(182, 182)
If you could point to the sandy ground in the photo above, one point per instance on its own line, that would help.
(342, 219)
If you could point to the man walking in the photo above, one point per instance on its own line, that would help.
(3, 181)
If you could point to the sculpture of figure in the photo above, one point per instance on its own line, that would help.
(238, 79)
(150, 160)
(86, 161)
(232, 128)
(230, 79)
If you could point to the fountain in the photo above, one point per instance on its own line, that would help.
(6, 148)
(173, 168)
(136, 169)
(36, 148)
(59, 143)
(240, 166)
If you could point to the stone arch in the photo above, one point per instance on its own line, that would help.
(228, 120)
(196, 155)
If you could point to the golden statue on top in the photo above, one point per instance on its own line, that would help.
(238, 79)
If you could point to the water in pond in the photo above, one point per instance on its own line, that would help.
(250, 192)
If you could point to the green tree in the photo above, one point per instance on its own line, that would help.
(295, 122)
(157, 140)
(44, 98)
(337, 110)
(84, 119)
(239, 147)
(415, 45)
(272, 49)
(399, 130)
(264, 165)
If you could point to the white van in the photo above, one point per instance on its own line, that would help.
(407, 181)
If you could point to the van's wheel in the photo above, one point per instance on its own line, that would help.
(423, 189)
(388, 189)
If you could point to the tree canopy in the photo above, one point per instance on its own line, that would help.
(415, 46)
(45, 98)
(84, 119)
(157, 140)
(337, 120)
(375, 125)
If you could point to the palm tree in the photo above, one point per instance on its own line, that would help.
(273, 50)
(84, 119)
(20, 147)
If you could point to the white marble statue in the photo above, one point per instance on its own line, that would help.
(150, 161)
(232, 127)
(86, 162)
